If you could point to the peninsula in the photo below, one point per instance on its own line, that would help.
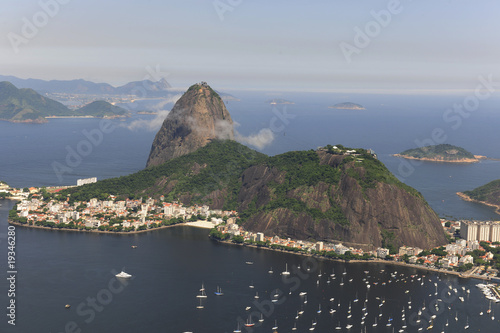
(347, 106)
(27, 106)
(488, 194)
(331, 193)
(441, 153)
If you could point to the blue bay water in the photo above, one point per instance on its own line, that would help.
(56, 268)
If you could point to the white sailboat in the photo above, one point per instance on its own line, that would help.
(275, 327)
(249, 322)
(218, 292)
(286, 272)
(237, 330)
(466, 327)
(202, 292)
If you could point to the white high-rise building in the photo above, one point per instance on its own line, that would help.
(484, 231)
(495, 232)
(480, 231)
(468, 230)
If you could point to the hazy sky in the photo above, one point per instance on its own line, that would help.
(255, 44)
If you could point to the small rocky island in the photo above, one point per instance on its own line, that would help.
(441, 153)
(275, 101)
(347, 106)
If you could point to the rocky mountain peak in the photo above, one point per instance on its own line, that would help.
(196, 119)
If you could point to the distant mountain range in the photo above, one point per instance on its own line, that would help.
(145, 88)
(80, 86)
(26, 105)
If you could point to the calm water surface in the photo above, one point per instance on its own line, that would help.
(170, 265)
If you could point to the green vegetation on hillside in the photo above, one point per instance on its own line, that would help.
(489, 193)
(444, 152)
(216, 166)
(102, 109)
(27, 105)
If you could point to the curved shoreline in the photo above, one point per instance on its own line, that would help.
(95, 231)
(465, 197)
(439, 160)
(371, 261)
(376, 260)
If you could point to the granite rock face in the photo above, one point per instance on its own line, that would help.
(385, 213)
(197, 118)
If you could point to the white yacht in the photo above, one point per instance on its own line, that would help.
(123, 275)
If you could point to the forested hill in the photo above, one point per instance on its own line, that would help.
(328, 194)
(26, 105)
(488, 194)
(102, 109)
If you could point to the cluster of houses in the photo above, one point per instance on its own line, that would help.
(235, 230)
(127, 213)
(456, 253)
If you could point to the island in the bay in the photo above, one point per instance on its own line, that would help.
(347, 106)
(488, 194)
(27, 106)
(276, 101)
(441, 153)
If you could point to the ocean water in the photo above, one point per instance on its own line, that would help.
(169, 266)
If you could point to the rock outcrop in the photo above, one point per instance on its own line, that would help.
(375, 216)
(197, 118)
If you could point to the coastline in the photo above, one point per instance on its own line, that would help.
(440, 160)
(204, 225)
(463, 275)
(465, 197)
(197, 224)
